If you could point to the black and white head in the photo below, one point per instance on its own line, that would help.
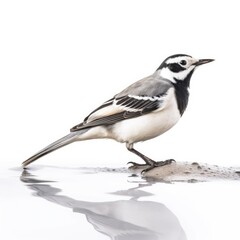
(180, 67)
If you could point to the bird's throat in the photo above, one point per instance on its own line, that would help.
(182, 92)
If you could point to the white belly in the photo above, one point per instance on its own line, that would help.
(147, 126)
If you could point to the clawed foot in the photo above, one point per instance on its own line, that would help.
(158, 164)
(150, 166)
(137, 165)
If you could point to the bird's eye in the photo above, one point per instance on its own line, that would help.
(183, 62)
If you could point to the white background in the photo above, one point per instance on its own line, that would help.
(59, 60)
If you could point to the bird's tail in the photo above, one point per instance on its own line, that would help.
(71, 137)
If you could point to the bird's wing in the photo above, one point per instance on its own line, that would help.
(138, 99)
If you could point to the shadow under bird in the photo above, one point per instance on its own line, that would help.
(142, 111)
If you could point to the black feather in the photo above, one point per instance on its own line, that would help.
(182, 93)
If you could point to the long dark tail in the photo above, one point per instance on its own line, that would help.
(71, 137)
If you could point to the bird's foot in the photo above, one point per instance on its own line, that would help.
(137, 165)
(158, 164)
(148, 167)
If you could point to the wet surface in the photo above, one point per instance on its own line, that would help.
(192, 172)
(45, 202)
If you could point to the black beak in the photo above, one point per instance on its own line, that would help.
(203, 61)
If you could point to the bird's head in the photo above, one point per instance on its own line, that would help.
(180, 67)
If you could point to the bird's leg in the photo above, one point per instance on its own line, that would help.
(148, 161)
(150, 164)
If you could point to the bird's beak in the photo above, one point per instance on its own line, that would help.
(203, 61)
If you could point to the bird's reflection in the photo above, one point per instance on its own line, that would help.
(120, 220)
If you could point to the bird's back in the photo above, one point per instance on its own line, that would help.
(153, 85)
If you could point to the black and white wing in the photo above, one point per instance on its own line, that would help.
(125, 106)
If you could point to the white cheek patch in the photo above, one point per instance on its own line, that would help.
(183, 74)
(168, 74)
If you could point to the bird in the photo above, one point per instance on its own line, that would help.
(142, 111)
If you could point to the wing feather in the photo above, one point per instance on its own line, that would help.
(144, 96)
(122, 108)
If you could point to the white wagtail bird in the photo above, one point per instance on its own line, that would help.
(142, 111)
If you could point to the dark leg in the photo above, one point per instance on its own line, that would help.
(150, 164)
(147, 160)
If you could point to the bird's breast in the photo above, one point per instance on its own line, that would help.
(149, 125)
